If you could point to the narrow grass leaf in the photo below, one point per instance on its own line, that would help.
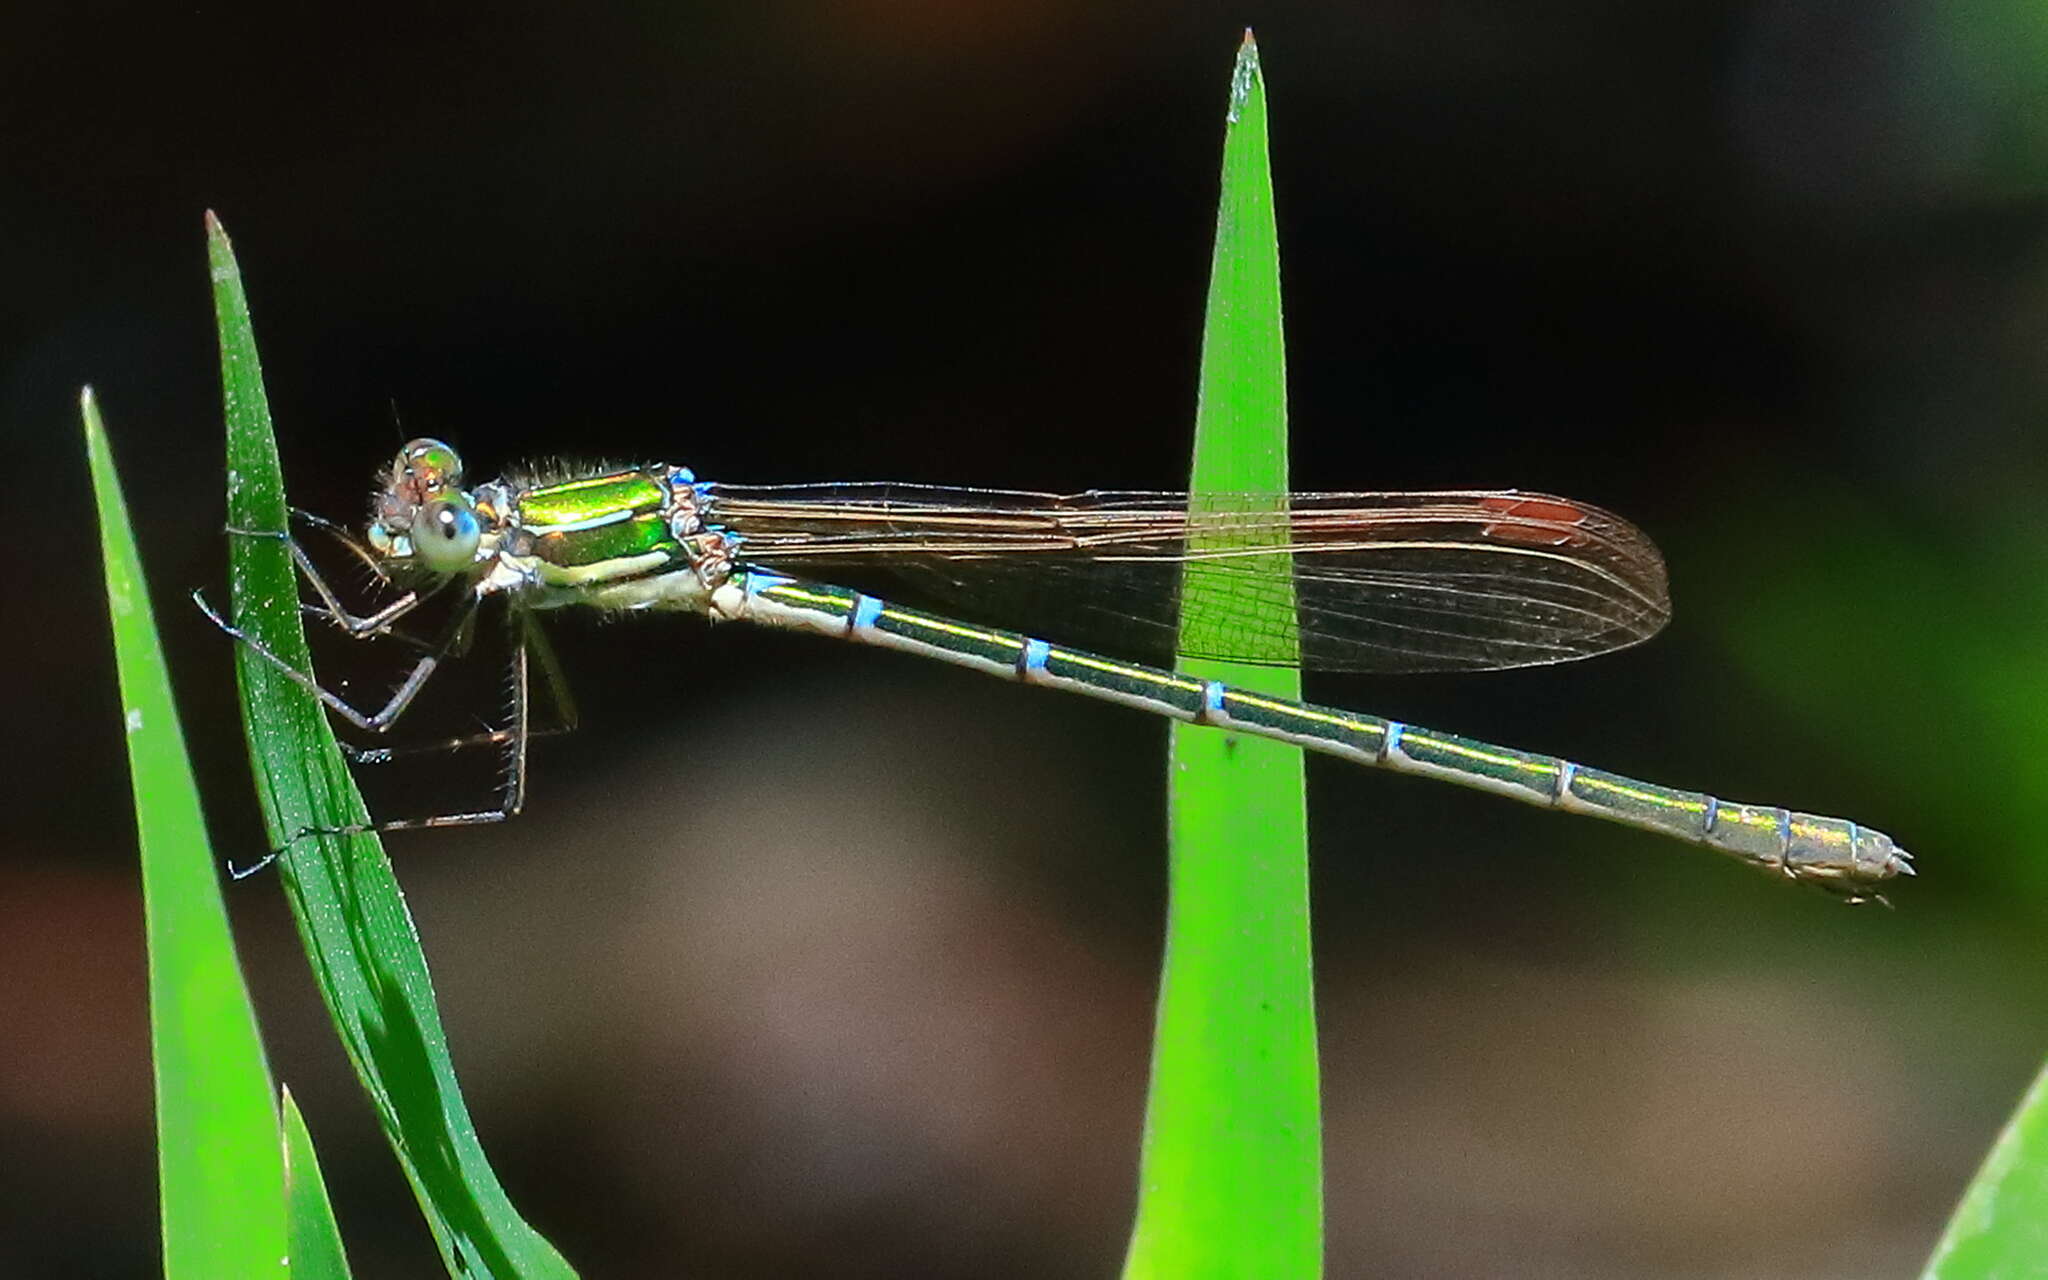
(220, 1174)
(2001, 1226)
(360, 939)
(316, 1239)
(1231, 1182)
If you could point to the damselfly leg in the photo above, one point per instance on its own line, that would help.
(533, 642)
(524, 636)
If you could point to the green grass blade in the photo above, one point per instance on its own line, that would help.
(358, 935)
(2001, 1226)
(316, 1240)
(221, 1176)
(1231, 1182)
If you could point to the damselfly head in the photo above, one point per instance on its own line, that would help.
(422, 514)
(422, 470)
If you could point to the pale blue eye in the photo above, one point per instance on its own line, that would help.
(445, 534)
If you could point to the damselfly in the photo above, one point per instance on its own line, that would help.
(1384, 582)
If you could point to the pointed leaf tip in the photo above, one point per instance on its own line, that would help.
(1244, 76)
(217, 243)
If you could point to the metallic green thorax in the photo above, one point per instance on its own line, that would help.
(595, 500)
(584, 524)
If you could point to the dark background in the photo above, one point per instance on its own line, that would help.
(809, 960)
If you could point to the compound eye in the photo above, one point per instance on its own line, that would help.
(432, 463)
(445, 534)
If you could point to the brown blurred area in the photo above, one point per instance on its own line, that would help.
(821, 962)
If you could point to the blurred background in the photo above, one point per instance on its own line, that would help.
(1769, 279)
